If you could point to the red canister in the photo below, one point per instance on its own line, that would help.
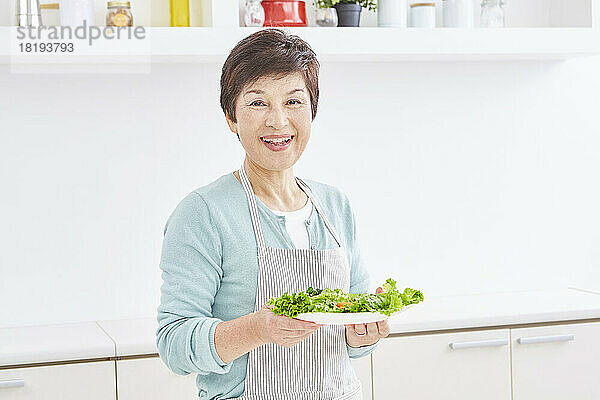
(284, 13)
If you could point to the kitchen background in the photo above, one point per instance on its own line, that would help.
(519, 13)
(466, 177)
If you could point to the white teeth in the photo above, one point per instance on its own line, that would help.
(278, 141)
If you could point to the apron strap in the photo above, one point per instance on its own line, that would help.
(258, 233)
(312, 197)
(256, 224)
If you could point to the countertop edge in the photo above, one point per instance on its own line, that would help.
(124, 346)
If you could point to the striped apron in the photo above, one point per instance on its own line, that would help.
(319, 366)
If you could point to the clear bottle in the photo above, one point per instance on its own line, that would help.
(255, 13)
(492, 14)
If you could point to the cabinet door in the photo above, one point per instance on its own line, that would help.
(465, 365)
(89, 381)
(556, 362)
(150, 379)
(362, 366)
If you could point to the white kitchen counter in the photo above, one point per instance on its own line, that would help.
(51, 343)
(118, 338)
(497, 309)
(133, 336)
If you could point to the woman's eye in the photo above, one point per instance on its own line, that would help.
(259, 102)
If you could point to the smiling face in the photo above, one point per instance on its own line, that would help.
(273, 120)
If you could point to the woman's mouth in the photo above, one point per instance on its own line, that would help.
(277, 142)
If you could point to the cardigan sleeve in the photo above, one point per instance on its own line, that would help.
(359, 282)
(191, 273)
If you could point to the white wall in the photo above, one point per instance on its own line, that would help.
(465, 177)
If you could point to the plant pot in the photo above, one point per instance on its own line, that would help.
(348, 14)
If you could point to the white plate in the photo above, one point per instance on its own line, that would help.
(347, 318)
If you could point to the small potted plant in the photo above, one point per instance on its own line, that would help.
(348, 11)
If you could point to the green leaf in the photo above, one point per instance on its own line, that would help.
(327, 300)
(369, 4)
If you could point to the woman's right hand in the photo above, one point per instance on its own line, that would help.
(281, 330)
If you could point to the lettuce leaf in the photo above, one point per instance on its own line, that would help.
(336, 301)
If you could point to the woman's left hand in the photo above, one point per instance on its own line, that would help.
(358, 335)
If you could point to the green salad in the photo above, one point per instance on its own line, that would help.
(336, 301)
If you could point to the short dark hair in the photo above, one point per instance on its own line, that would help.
(268, 52)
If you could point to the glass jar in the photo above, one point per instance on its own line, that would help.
(326, 17)
(254, 14)
(492, 14)
(119, 14)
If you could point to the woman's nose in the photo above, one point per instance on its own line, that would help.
(276, 118)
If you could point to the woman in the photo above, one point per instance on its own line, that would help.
(256, 233)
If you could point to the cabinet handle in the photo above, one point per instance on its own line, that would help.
(13, 383)
(479, 343)
(546, 339)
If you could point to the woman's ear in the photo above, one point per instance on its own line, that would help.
(232, 125)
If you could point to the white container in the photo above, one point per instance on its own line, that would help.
(74, 12)
(459, 13)
(392, 13)
(50, 14)
(422, 15)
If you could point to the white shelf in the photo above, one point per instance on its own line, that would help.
(200, 45)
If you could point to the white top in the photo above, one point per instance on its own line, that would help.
(295, 224)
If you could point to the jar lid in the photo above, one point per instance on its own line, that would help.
(422, 5)
(119, 4)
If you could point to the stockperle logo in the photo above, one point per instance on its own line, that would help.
(83, 32)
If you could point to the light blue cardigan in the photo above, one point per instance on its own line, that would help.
(210, 271)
